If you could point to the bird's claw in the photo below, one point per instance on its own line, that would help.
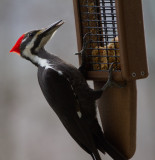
(85, 44)
(82, 67)
(110, 82)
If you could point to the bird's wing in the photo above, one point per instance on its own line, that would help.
(60, 95)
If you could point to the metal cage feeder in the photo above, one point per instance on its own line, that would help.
(115, 33)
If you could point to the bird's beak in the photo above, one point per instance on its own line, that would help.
(52, 28)
(46, 33)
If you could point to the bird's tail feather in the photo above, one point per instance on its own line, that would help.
(112, 151)
(103, 144)
(95, 156)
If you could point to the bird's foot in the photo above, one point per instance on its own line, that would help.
(110, 82)
(82, 67)
(85, 44)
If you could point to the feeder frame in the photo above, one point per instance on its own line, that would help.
(122, 18)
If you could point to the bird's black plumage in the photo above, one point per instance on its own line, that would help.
(67, 93)
(62, 92)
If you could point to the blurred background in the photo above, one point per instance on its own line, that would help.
(29, 129)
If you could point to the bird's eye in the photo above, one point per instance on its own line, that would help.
(31, 34)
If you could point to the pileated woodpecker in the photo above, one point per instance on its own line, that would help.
(67, 92)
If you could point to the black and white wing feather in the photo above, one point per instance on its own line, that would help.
(60, 95)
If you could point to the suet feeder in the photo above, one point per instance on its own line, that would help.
(114, 32)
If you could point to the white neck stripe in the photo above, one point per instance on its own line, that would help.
(41, 62)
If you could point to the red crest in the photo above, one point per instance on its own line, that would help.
(16, 47)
